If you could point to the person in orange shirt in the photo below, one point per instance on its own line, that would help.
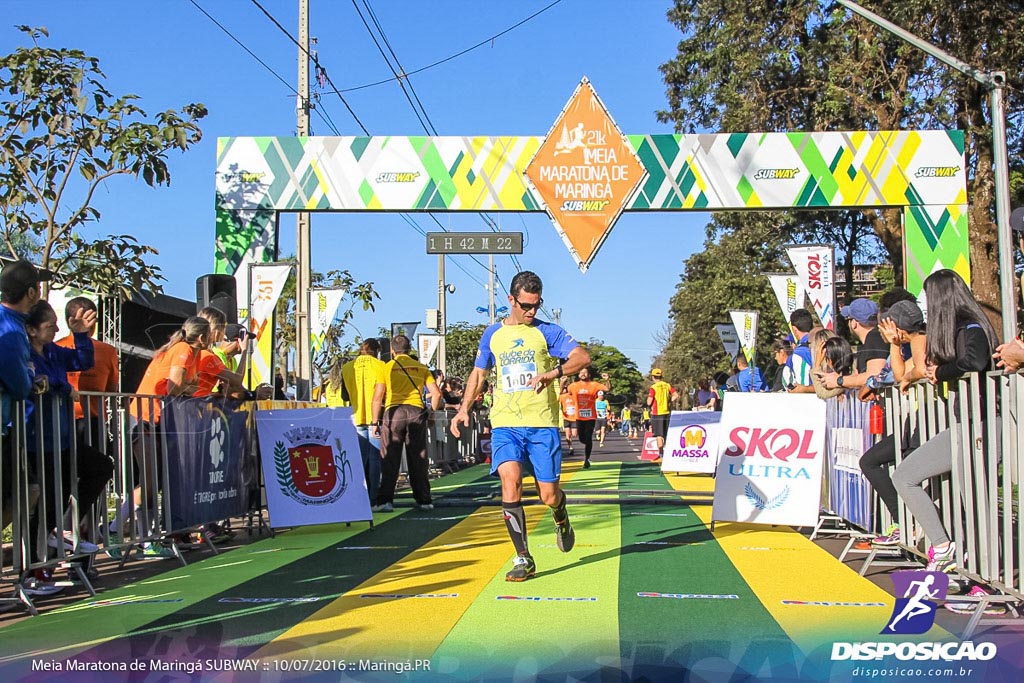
(103, 377)
(584, 393)
(568, 404)
(212, 368)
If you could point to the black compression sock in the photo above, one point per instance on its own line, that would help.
(559, 512)
(515, 522)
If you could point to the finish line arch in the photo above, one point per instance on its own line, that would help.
(921, 171)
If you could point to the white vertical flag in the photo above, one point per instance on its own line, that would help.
(789, 291)
(427, 346)
(730, 342)
(816, 266)
(266, 282)
(745, 323)
(323, 306)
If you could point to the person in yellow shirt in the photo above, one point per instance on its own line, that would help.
(403, 424)
(525, 352)
(360, 378)
(658, 399)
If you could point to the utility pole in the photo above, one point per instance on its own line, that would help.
(995, 81)
(303, 354)
(442, 324)
(490, 286)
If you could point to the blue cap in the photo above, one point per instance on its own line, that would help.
(864, 311)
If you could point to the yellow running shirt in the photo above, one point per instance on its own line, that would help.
(521, 352)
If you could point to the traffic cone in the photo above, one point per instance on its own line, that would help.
(650, 450)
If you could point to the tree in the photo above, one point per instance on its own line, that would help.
(625, 379)
(749, 65)
(460, 345)
(62, 135)
(727, 275)
(334, 346)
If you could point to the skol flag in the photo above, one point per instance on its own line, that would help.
(816, 266)
(323, 306)
(427, 346)
(266, 282)
(745, 323)
(730, 342)
(789, 291)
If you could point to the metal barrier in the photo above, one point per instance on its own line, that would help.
(446, 451)
(976, 500)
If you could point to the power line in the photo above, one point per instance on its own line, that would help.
(320, 70)
(252, 54)
(457, 54)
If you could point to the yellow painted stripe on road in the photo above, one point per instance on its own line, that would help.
(779, 563)
(440, 580)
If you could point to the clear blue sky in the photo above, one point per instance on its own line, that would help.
(170, 54)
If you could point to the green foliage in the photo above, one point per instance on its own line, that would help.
(62, 135)
(727, 275)
(461, 343)
(805, 65)
(625, 378)
(335, 346)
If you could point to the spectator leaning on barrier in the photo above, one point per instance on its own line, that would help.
(19, 292)
(862, 315)
(800, 361)
(360, 379)
(102, 377)
(213, 368)
(961, 340)
(55, 398)
(403, 424)
(902, 324)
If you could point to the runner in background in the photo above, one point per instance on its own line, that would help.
(568, 404)
(659, 397)
(601, 407)
(584, 392)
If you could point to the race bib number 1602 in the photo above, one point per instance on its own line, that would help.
(516, 377)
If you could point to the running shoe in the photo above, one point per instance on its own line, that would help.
(426, 507)
(941, 561)
(158, 551)
(862, 545)
(586, 464)
(523, 567)
(84, 547)
(40, 584)
(565, 536)
(992, 609)
(383, 507)
(890, 538)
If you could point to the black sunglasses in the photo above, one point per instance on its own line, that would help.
(529, 307)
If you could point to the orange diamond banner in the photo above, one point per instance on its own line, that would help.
(586, 171)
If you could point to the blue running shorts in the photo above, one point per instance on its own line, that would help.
(537, 449)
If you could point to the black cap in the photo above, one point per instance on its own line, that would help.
(18, 276)
(907, 316)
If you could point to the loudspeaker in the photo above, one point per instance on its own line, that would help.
(385, 349)
(218, 291)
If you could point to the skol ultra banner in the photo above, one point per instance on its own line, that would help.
(789, 291)
(771, 457)
(266, 282)
(691, 444)
(745, 323)
(323, 306)
(311, 467)
(815, 264)
(730, 341)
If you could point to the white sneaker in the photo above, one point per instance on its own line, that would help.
(84, 547)
(383, 507)
(425, 506)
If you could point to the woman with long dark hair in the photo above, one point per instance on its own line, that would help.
(960, 340)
